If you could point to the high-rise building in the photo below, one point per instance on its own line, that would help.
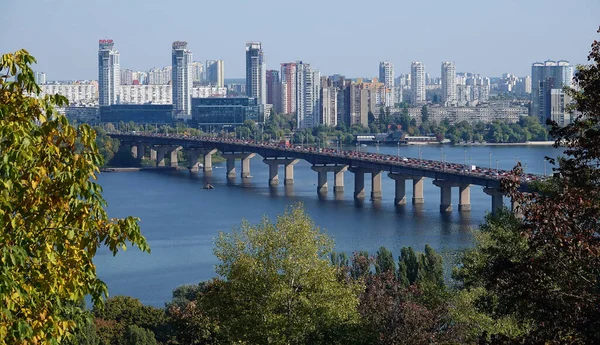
(215, 73)
(109, 74)
(358, 105)
(328, 105)
(274, 90)
(160, 76)
(197, 72)
(181, 80)
(40, 78)
(386, 76)
(256, 72)
(126, 77)
(417, 83)
(308, 85)
(288, 87)
(548, 100)
(448, 83)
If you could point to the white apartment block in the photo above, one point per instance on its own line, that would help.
(329, 106)
(76, 93)
(144, 94)
(308, 85)
(417, 83)
(505, 113)
(209, 91)
(448, 83)
(160, 76)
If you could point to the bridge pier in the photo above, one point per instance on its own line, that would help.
(174, 163)
(208, 159)
(496, 195)
(445, 195)
(230, 167)
(418, 190)
(160, 156)
(375, 184)
(338, 182)
(464, 198)
(194, 154)
(400, 193)
(134, 151)
(141, 151)
(359, 183)
(338, 171)
(153, 154)
(245, 159)
(274, 164)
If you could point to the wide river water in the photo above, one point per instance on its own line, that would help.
(180, 219)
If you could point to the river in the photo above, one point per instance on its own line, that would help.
(180, 220)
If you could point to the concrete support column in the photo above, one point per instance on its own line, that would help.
(400, 194)
(338, 182)
(464, 198)
(445, 195)
(193, 163)
(134, 151)
(375, 185)
(273, 173)
(322, 181)
(289, 172)
(418, 190)
(141, 151)
(174, 162)
(516, 209)
(359, 183)
(246, 164)
(208, 159)
(230, 167)
(160, 156)
(496, 195)
(153, 154)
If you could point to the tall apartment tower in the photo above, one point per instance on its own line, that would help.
(274, 90)
(256, 72)
(548, 100)
(215, 72)
(386, 76)
(109, 73)
(448, 83)
(308, 105)
(181, 80)
(329, 108)
(417, 83)
(197, 72)
(288, 87)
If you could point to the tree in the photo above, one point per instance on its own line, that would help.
(384, 261)
(52, 217)
(424, 114)
(545, 270)
(280, 286)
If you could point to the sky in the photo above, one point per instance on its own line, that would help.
(348, 37)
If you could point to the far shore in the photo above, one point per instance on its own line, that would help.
(532, 143)
(133, 169)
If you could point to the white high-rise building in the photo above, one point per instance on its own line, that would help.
(182, 80)
(40, 78)
(215, 73)
(329, 106)
(547, 95)
(109, 74)
(417, 83)
(160, 76)
(256, 72)
(126, 77)
(308, 105)
(197, 72)
(386, 76)
(448, 83)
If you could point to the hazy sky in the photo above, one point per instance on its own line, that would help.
(349, 37)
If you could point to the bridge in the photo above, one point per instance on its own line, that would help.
(445, 175)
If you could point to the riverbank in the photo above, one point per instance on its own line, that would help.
(134, 169)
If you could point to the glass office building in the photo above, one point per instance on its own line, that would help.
(226, 112)
(138, 113)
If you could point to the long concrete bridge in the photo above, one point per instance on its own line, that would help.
(445, 175)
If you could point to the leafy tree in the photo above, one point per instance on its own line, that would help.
(545, 270)
(280, 286)
(135, 335)
(424, 114)
(52, 219)
(384, 261)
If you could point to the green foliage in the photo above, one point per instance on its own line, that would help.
(135, 335)
(384, 262)
(52, 217)
(280, 287)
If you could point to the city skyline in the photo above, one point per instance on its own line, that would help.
(499, 38)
